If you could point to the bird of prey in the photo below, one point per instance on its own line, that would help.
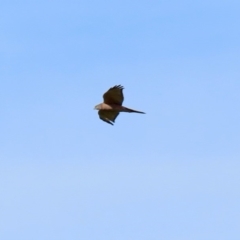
(112, 105)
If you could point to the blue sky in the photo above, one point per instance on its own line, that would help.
(171, 174)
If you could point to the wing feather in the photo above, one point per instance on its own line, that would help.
(114, 95)
(108, 116)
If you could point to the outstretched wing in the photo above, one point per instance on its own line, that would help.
(108, 116)
(114, 95)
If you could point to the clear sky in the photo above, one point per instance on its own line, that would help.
(172, 174)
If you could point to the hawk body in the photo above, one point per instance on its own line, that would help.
(112, 105)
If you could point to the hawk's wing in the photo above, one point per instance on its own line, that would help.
(108, 116)
(114, 95)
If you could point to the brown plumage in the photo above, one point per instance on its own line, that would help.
(112, 105)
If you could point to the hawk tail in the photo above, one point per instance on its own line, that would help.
(131, 110)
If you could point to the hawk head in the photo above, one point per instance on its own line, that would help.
(97, 107)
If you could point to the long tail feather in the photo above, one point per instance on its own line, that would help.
(131, 110)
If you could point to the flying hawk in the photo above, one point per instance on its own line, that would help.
(112, 105)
